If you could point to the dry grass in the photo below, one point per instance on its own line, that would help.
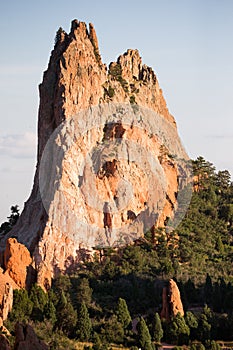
(80, 346)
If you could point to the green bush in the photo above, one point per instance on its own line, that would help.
(22, 306)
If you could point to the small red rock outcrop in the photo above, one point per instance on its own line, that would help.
(16, 261)
(172, 304)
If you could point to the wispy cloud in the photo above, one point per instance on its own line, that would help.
(18, 146)
(220, 136)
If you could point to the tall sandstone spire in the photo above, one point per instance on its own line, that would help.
(76, 79)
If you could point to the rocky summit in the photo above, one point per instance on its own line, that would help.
(110, 164)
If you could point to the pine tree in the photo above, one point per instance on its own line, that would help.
(204, 328)
(62, 301)
(58, 36)
(208, 289)
(66, 316)
(192, 323)
(122, 313)
(39, 299)
(22, 306)
(178, 330)
(12, 219)
(50, 312)
(214, 345)
(113, 330)
(84, 326)
(97, 345)
(157, 330)
(144, 338)
(84, 292)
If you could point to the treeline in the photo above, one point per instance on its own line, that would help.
(73, 310)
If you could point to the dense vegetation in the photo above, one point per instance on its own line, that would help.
(116, 298)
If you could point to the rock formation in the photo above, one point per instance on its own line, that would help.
(7, 285)
(17, 259)
(26, 339)
(172, 304)
(16, 262)
(100, 132)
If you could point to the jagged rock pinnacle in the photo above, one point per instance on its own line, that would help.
(76, 80)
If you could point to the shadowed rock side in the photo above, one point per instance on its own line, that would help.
(4, 343)
(75, 80)
(26, 339)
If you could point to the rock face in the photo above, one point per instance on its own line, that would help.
(88, 114)
(17, 259)
(26, 339)
(7, 285)
(172, 304)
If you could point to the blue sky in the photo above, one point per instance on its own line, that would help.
(188, 43)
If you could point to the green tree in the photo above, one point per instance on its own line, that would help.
(66, 316)
(22, 306)
(50, 312)
(204, 328)
(84, 326)
(61, 284)
(214, 345)
(204, 171)
(208, 289)
(12, 219)
(178, 330)
(113, 331)
(144, 338)
(58, 36)
(96, 342)
(157, 329)
(122, 313)
(197, 346)
(192, 323)
(39, 299)
(226, 212)
(84, 292)
(223, 179)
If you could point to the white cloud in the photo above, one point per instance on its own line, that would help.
(18, 146)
